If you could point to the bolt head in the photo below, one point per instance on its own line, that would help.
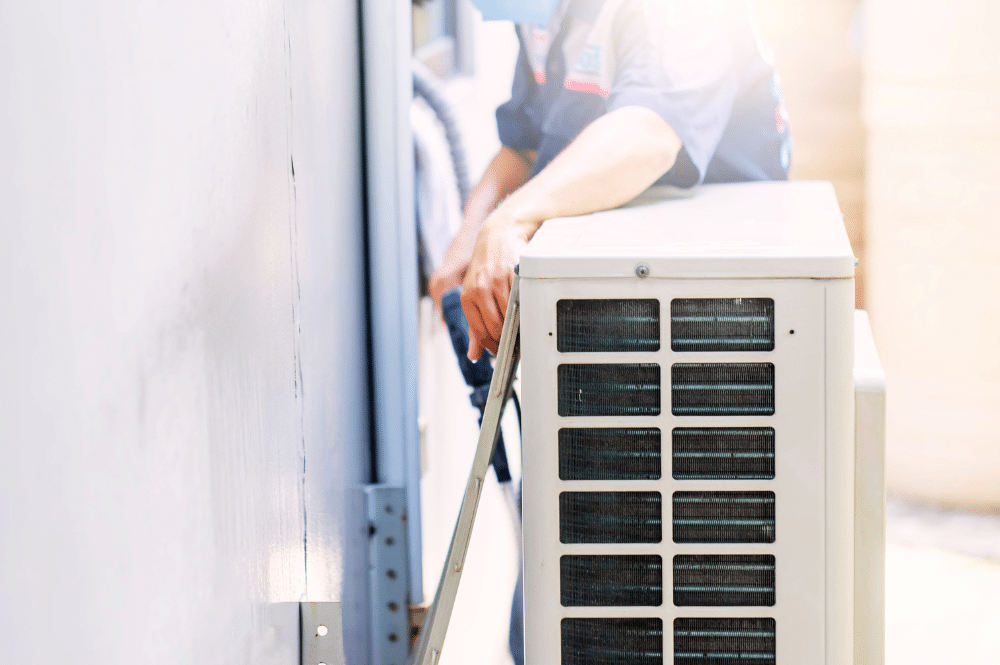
(642, 271)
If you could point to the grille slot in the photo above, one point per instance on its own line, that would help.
(722, 324)
(611, 581)
(632, 641)
(713, 580)
(609, 453)
(723, 517)
(609, 390)
(607, 325)
(610, 517)
(720, 453)
(722, 389)
(724, 641)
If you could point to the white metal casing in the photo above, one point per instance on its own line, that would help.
(783, 241)
(869, 502)
(760, 230)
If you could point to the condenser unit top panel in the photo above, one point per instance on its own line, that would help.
(744, 230)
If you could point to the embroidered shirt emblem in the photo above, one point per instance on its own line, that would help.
(589, 61)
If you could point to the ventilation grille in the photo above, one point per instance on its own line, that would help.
(607, 325)
(723, 517)
(724, 641)
(722, 389)
(722, 324)
(635, 453)
(611, 581)
(610, 517)
(713, 580)
(634, 641)
(609, 453)
(609, 390)
(722, 453)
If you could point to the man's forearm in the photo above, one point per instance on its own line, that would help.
(508, 171)
(612, 161)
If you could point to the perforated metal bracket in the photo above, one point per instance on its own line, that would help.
(388, 574)
(322, 636)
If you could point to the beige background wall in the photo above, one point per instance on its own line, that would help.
(821, 76)
(909, 133)
(932, 107)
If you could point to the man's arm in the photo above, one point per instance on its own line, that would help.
(508, 171)
(612, 161)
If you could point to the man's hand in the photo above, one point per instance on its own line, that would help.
(487, 283)
(507, 171)
(614, 159)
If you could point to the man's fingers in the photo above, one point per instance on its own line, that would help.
(478, 342)
(492, 315)
(475, 350)
(477, 331)
(500, 296)
(487, 285)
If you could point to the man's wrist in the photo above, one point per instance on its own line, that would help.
(509, 219)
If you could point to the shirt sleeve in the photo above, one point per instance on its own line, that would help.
(679, 64)
(517, 124)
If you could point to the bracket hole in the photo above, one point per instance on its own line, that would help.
(390, 541)
(321, 631)
(393, 637)
(393, 606)
(388, 508)
(391, 574)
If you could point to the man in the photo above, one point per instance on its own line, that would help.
(610, 97)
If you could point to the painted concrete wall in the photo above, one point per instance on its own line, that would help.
(183, 397)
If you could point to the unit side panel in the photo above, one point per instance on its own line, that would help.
(840, 468)
(869, 497)
(798, 484)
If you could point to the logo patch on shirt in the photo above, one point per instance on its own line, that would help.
(592, 55)
(589, 61)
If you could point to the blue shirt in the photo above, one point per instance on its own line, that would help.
(700, 64)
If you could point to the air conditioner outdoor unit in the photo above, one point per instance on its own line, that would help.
(689, 437)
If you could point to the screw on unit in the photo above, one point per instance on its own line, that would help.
(642, 271)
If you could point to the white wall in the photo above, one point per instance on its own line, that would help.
(182, 357)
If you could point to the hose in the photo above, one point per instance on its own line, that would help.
(427, 87)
